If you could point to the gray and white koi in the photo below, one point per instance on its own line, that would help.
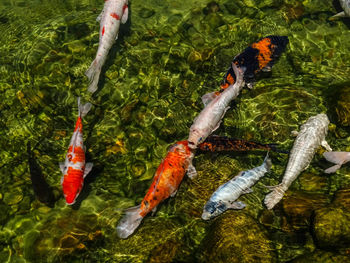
(226, 195)
(209, 118)
(311, 135)
(114, 12)
(338, 158)
(345, 4)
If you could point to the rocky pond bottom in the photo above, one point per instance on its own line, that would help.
(167, 56)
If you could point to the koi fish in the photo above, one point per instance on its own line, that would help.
(165, 183)
(74, 168)
(216, 143)
(260, 56)
(345, 4)
(210, 117)
(226, 195)
(114, 12)
(312, 134)
(339, 158)
(41, 188)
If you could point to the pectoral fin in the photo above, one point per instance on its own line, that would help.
(247, 191)
(236, 205)
(191, 172)
(341, 14)
(332, 169)
(125, 15)
(62, 166)
(326, 145)
(173, 194)
(207, 98)
(88, 167)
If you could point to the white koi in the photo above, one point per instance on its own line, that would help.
(312, 134)
(114, 12)
(209, 118)
(226, 195)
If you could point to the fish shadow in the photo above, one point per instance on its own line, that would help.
(90, 178)
(124, 31)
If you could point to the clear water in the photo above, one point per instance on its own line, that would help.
(167, 56)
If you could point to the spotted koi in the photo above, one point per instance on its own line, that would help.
(74, 169)
(114, 12)
(165, 183)
(260, 56)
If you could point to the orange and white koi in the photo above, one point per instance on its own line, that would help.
(165, 183)
(114, 12)
(74, 168)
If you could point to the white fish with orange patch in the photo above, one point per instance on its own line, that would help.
(114, 12)
(74, 168)
(210, 117)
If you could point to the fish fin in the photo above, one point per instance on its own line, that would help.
(83, 109)
(125, 15)
(218, 124)
(191, 171)
(275, 196)
(341, 14)
(99, 17)
(154, 210)
(236, 205)
(208, 97)
(129, 222)
(62, 166)
(61, 180)
(93, 73)
(173, 193)
(238, 175)
(267, 69)
(88, 167)
(116, 37)
(337, 157)
(268, 162)
(294, 133)
(325, 145)
(250, 85)
(247, 191)
(332, 169)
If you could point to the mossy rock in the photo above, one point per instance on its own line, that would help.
(331, 227)
(237, 237)
(320, 256)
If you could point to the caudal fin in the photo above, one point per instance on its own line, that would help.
(267, 162)
(274, 197)
(337, 158)
(129, 222)
(83, 109)
(93, 73)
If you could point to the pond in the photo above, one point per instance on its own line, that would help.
(166, 57)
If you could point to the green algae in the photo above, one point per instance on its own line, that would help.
(167, 56)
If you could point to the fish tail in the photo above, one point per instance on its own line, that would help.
(274, 147)
(274, 197)
(83, 109)
(93, 73)
(129, 222)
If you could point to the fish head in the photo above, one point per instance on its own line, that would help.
(211, 210)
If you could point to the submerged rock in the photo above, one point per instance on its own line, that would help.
(299, 207)
(343, 107)
(320, 256)
(331, 227)
(237, 237)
